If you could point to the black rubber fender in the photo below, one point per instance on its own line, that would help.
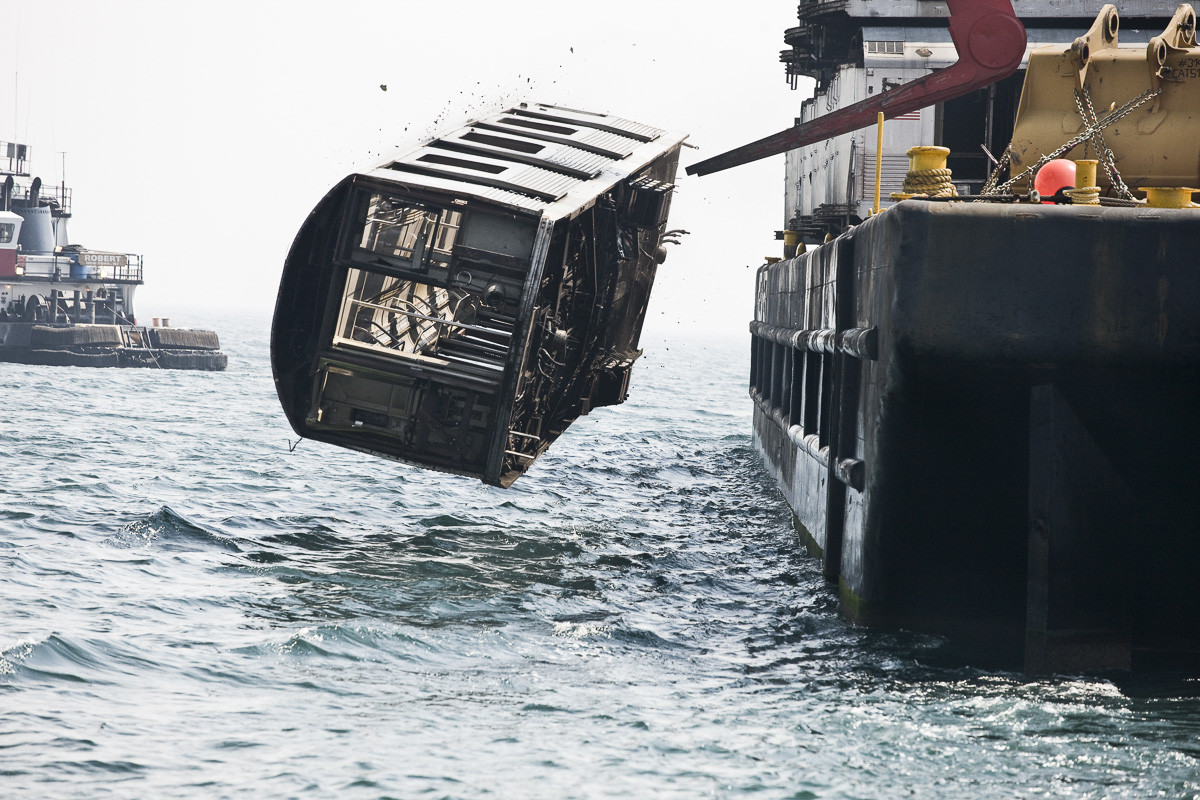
(184, 339)
(67, 335)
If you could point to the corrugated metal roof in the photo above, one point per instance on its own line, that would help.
(516, 147)
(463, 188)
(541, 153)
(609, 145)
(587, 119)
(487, 171)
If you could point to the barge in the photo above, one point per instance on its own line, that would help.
(62, 304)
(982, 402)
(458, 306)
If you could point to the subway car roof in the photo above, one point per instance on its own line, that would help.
(542, 160)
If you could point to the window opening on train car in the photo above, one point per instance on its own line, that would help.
(462, 163)
(409, 235)
(399, 317)
(507, 144)
(539, 126)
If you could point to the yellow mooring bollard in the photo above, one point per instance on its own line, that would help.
(927, 174)
(791, 244)
(1086, 192)
(1169, 196)
(927, 157)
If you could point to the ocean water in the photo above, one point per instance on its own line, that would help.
(191, 608)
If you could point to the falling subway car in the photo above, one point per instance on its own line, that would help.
(459, 306)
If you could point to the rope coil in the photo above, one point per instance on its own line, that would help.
(929, 182)
(1084, 196)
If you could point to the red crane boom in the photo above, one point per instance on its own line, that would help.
(990, 40)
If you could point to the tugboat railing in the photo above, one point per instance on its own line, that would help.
(130, 272)
(17, 154)
(57, 267)
(58, 197)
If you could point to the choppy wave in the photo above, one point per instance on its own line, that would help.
(192, 609)
(168, 529)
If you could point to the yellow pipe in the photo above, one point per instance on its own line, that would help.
(878, 159)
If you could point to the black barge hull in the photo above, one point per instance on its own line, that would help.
(85, 345)
(986, 421)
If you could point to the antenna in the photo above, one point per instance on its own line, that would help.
(16, 40)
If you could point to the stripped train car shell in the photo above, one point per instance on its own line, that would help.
(459, 306)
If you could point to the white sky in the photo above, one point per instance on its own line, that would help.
(201, 135)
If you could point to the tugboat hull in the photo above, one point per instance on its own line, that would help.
(84, 345)
(55, 295)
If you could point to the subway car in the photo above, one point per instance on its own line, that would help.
(457, 307)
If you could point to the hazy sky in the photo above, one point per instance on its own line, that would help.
(201, 135)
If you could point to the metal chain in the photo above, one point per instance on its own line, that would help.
(1083, 102)
(1090, 130)
(989, 186)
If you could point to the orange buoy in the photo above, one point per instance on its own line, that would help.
(1054, 175)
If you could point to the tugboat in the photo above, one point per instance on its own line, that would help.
(62, 304)
(460, 305)
(976, 381)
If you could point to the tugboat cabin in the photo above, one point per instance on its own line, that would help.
(460, 305)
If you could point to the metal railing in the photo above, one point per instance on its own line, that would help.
(131, 271)
(16, 155)
(57, 195)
